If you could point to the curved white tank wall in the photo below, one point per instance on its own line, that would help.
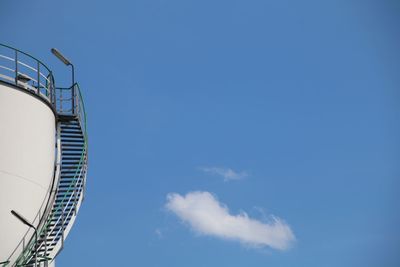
(27, 155)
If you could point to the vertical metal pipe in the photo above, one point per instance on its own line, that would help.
(38, 78)
(45, 248)
(16, 67)
(61, 100)
(75, 198)
(62, 226)
(52, 90)
(73, 89)
(36, 248)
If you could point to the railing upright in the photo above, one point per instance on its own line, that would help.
(16, 67)
(38, 78)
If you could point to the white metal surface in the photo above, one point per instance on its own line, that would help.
(27, 155)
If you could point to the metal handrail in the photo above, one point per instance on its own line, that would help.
(80, 172)
(19, 51)
(36, 77)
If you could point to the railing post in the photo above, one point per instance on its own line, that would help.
(45, 248)
(36, 248)
(16, 67)
(73, 89)
(76, 100)
(60, 100)
(73, 103)
(38, 78)
(52, 90)
(62, 227)
(75, 197)
(23, 249)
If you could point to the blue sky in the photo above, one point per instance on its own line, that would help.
(298, 100)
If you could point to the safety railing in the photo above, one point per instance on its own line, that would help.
(68, 100)
(70, 196)
(80, 110)
(27, 72)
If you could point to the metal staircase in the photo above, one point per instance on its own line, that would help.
(70, 189)
(69, 192)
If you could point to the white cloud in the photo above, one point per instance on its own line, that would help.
(227, 173)
(205, 215)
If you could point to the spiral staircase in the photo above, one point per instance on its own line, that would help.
(58, 213)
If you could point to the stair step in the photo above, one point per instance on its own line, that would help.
(77, 157)
(64, 201)
(67, 179)
(74, 164)
(69, 191)
(71, 164)
(75, 141)
(65, 141)
(74, 196)
(72, 149)
(72, 138)
(72, 145)
(66, 164)
(72, 121)
(67, 194)
(71, 157)
(70, 126)
(70, 130)
(67, 174)
(71, 135)
(57, 226)
(71, 154)
(68, 155)
(71, 186)
(70, 176)
(70, 195)
(64, 186)
(74, 134)
(58, 217)
(69, 169)
(58, 214)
